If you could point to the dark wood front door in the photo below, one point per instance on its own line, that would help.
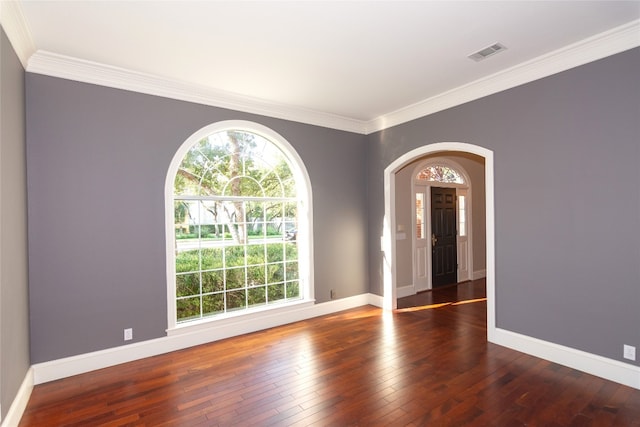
(444, 261)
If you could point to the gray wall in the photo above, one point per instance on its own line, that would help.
(566, 185)
(474, 166)
(567, 204)
(98, 159)
(14, 308)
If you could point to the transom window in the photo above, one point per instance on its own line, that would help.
(236, 218)
(440, 173)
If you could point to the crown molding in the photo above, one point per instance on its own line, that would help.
(591, 49)
(608, 43)
(56, 65)
(15, 25)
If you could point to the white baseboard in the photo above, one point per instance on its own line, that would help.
(19, 402)
(49, 371)
(609, 369)
(74, 365)
(375, 300)
(479, 274)
(405, 291)
(603, 367)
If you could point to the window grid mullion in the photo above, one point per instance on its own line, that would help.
(206, 210)
(234, 198)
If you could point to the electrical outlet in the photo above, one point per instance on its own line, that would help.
(629, 352)
(128, 334)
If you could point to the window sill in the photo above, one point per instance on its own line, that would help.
(244, 320)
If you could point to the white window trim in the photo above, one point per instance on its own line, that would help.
(305, 223)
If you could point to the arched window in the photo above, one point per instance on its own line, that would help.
(440, 173)
(240, 220)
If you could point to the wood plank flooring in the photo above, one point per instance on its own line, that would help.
(427, 364)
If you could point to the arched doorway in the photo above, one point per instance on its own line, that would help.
(389, 226)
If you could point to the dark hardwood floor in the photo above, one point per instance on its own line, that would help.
(427, 364)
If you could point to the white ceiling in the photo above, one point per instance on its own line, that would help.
(358, 61)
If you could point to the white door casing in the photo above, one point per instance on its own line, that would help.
(420, 238)
(465, 248)
(388, 243)
(422, 246)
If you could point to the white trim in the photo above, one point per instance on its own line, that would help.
(424, 190)
(241, 317)
(305, 218)
(443, 160)
(468, 221)
(612, 370)
(405, 291)
(74, 365)
(389, 222)
(66, 67)
(479, 274)
(17, 30)
(596, 365)
(375, 300)
(19, 403)
(599, 46)
(609, 369)
(591, 49)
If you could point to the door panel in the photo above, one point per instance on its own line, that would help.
(463, 262)
(443, 238)
(422, 254)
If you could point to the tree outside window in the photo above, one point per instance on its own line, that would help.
(235, 217)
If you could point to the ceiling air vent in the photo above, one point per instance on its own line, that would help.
(487, 52)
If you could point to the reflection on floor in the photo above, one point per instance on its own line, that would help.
(465, 291)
